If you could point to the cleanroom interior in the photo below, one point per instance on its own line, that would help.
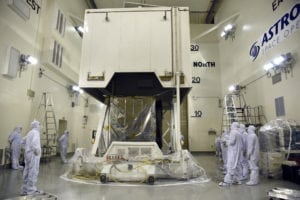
(49, 31)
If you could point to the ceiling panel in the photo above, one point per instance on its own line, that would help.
(194, 5)
(198, 8)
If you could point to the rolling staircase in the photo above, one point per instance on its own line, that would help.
(236, 110)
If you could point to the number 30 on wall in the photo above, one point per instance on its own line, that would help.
(194, 47)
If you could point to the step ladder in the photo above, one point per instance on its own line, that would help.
(234, 110)
(225, 123)
(46, 115)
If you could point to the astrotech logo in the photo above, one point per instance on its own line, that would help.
(254, 50)
(288, 24)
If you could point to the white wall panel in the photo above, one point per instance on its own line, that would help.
(16, 107)
(204, 97)
(256, 18)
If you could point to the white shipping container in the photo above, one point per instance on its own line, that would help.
(135, 40)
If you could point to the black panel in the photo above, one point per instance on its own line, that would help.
(136, 84)
(159, 120)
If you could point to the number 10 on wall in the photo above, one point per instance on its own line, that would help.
(197, 113)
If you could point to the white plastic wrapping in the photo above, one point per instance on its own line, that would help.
(279, 139)
(125, 127)
(83, 167)
(132, 155)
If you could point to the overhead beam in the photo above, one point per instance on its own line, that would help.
(91, 4)
(212, 12)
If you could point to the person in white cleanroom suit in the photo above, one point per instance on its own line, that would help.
(218, 146)
(241, 147)
(15, 140)
(63, 144)
(224, 148)
(32, 147)
(253, 156)
(232, 156)
(244, 160)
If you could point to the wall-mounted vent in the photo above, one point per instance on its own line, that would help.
(60, 23)
(57, 54)
(276, 78)
(20, 8)
(53, 57)
(11, 65)
(279, 106)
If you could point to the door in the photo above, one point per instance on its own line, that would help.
(62, 126)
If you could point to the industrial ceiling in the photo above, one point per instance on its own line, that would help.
(201, 11)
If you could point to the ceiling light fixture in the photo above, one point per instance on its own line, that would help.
(235, 88)
(80, 30)
(282, 63)
(229, 31)
(25, 60)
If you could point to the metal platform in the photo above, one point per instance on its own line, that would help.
(44, 196)
(284, 193)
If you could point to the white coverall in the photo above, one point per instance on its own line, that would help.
(63, 144)
(32, 159)
(218, 146)
(224, 148)
(253, 156)
(15, 140)
(244, 160)
(232, 156)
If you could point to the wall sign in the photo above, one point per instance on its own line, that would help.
(197, 113)
(204, 64)
(34, 5)
(196, 79)
(194, 47)
(276, 4)
(287, 25)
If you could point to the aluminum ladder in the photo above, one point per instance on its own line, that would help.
(234, 110)
(46, 115)
(230, 110)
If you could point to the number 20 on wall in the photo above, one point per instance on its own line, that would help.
(195, 79)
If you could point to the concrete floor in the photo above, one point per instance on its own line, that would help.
(49, 181)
